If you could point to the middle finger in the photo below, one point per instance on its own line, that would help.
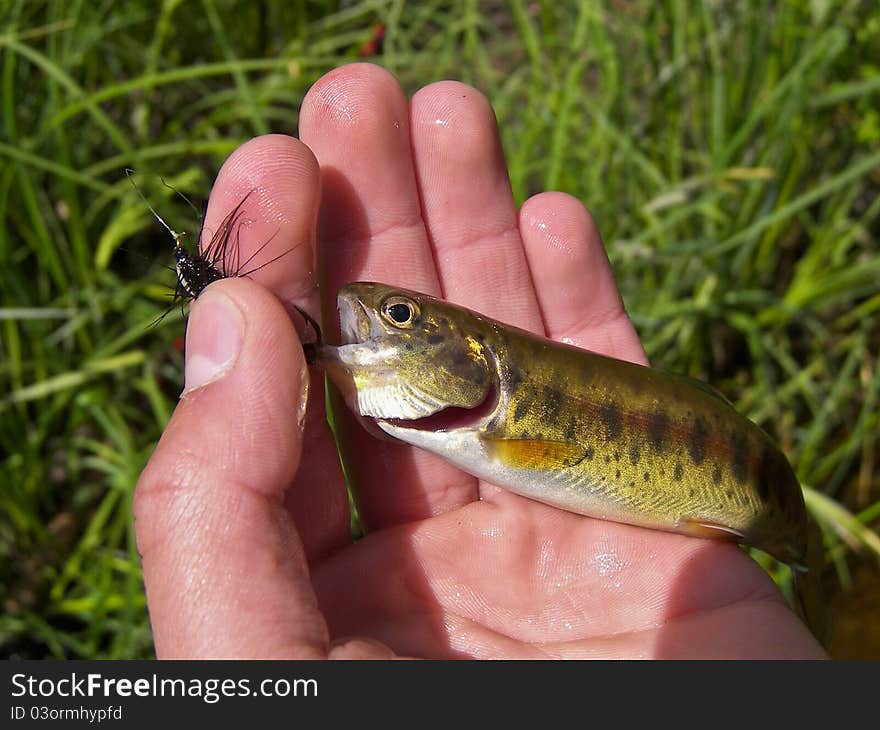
(355, 119)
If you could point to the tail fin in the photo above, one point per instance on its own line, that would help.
(809, 595)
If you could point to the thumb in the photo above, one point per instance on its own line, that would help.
(223, 563)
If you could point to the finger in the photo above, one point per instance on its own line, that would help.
(468, 205)
(370, 225)
(355, 119)
(279, 175)
(275, 179)
(225, 572)
(579, 300)
(360, 648)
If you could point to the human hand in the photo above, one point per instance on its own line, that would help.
(242, 514)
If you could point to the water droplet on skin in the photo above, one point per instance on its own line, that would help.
(547, 559)
(567, 340)
(609, 566)
(337, 109)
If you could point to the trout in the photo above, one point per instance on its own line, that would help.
(564, 426)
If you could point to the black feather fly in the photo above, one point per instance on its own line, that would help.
(219, 259)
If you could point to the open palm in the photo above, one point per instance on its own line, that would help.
(242, 514)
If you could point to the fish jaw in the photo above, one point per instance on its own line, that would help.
(463, 447)
(465, 442)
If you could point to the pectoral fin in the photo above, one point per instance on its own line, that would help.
(535, 454)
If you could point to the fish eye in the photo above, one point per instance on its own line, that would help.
(399, 311)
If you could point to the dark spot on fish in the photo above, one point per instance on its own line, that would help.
(520, 411)
(658, 426)
(610, 415)
(662, 472)
(646, 476)
(408, 346)
(632, 484)
(678, 474)
(716, 475)
(617, 474)
(435, 339)
(634, 454)
(571, 430)
(766, 474)
(514, 378)
(783, 482)
(692, 493)
(699, 438)
(553, 399)
(739, 457)
(763, 489)
(589, 453)
(607, 459)
(729, 494)
(462, 360)
(616, 456)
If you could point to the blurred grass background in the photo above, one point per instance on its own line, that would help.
(730, 152)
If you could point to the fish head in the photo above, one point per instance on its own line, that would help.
(407, 356)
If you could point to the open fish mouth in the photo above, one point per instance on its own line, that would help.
(449, 419)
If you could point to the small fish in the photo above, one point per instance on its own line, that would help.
(571, 428)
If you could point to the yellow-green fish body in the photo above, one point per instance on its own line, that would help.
(564, 426)
(571, 428)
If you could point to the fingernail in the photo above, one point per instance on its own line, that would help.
(213, 339)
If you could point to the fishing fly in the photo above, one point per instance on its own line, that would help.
(219, 259)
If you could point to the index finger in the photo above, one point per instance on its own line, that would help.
(274, 180)
(277, 178)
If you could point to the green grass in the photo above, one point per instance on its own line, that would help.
(730, 154)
